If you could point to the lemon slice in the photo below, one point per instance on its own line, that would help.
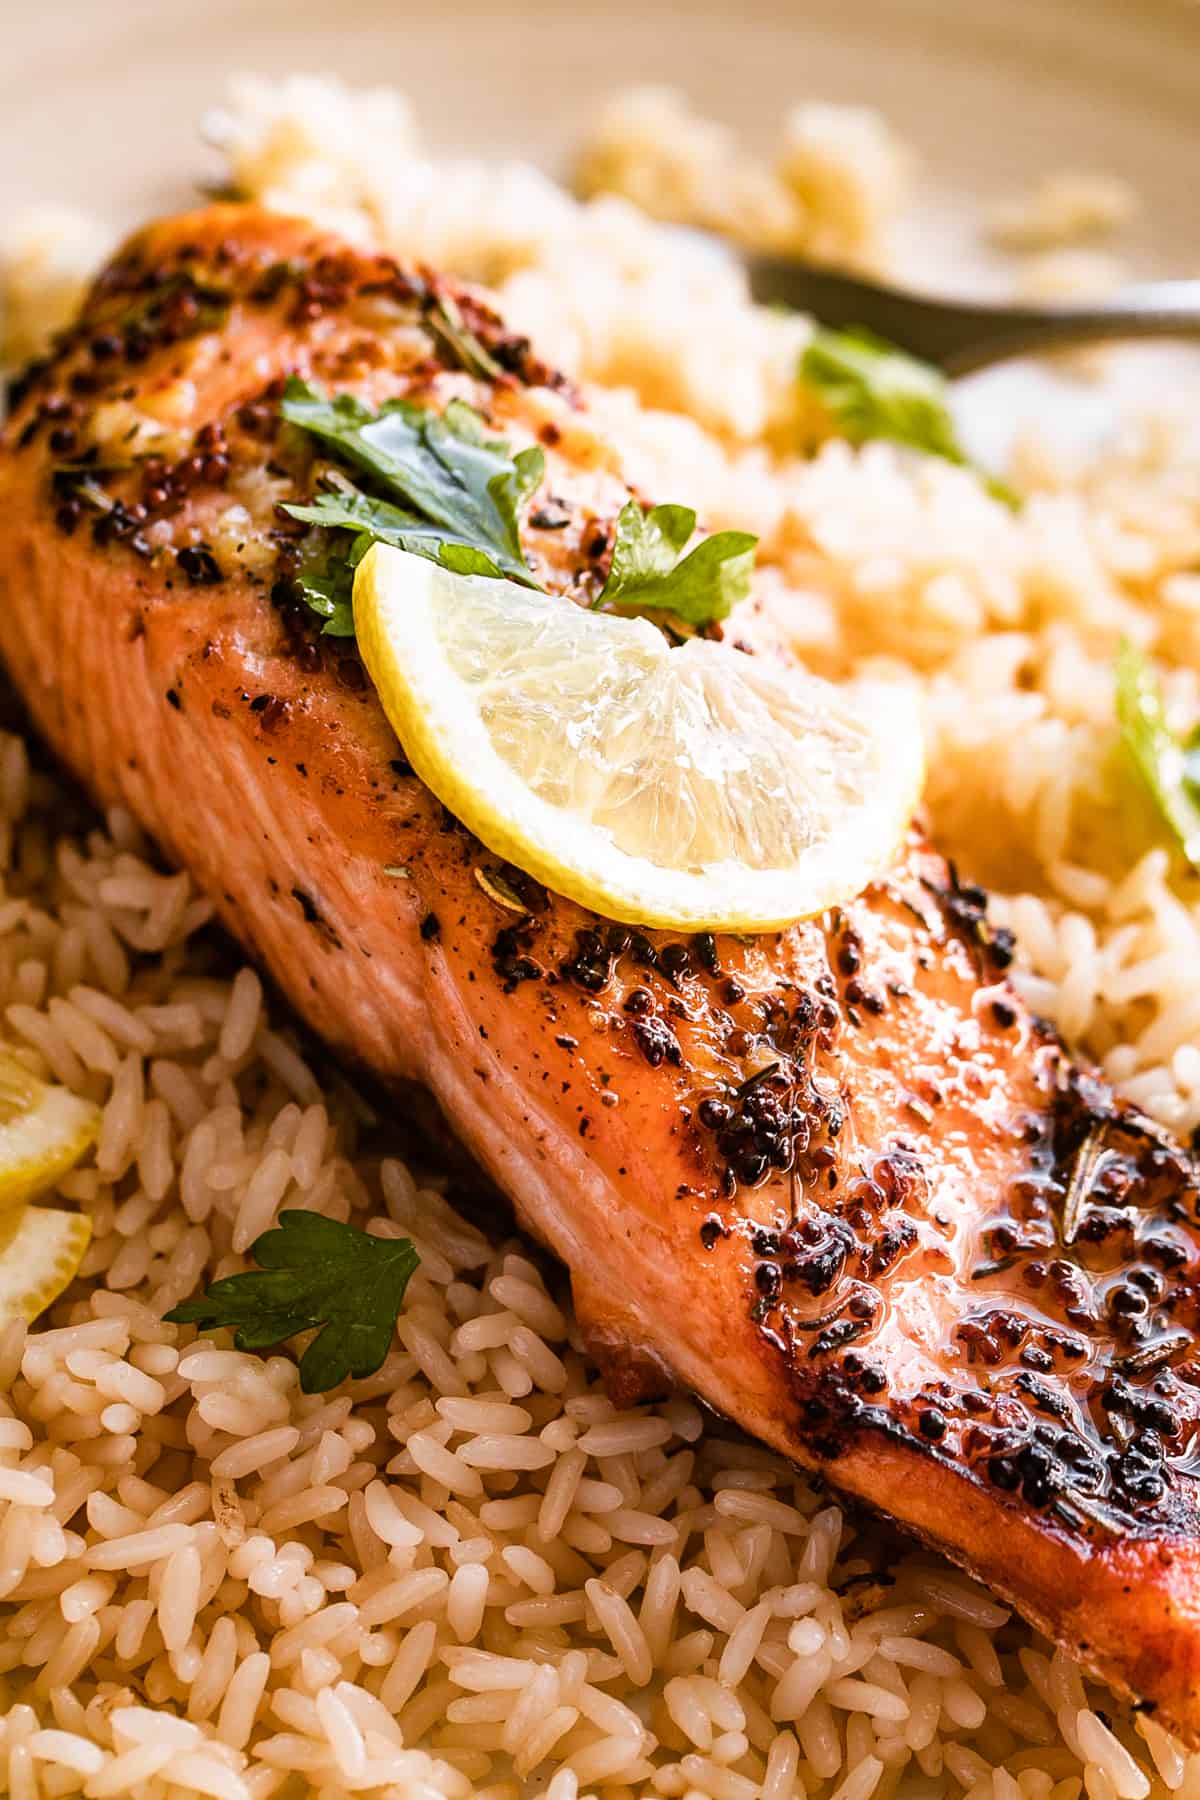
(41, 1249)
(44, 1131)
(695, 787)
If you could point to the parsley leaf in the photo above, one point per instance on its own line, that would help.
(329, 591)
(1169, 770)
(372, 521)
(439, 486)
(313, 1271)
(874, 390)
(650, 573)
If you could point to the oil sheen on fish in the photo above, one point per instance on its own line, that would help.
(836, 1179)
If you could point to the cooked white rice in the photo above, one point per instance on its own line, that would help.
(471, 1574)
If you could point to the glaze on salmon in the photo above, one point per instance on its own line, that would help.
(837, 1180)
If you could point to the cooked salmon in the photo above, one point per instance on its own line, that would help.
(837, 1180)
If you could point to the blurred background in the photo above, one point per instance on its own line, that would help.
(99, 99)
(103, 105)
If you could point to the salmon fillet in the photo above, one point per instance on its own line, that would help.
(837, 1179)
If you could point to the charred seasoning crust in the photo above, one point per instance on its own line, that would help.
(146, 309)
(140, 305)
(1077, 1392)
(1068, 1385)
(1070, 1380)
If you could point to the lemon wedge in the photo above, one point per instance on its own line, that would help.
(41, 1249)
(44, 1131)
(694, 787)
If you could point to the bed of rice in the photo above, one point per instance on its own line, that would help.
(470, 1574)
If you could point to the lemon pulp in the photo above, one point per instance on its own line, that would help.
(41, 1248)
(44, 1130)
(692, 787)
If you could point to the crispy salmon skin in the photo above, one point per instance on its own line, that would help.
(835, 1179)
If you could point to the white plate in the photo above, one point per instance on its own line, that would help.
(100, 99)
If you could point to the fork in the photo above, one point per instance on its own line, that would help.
(959, 336)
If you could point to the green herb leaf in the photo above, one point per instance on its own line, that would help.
(379, 522)
(313, 1271)
(439, 485)
(329, 592)
(874, 390)
(1167, 767)
(445, 324)
(1191, 759)
(649, 572)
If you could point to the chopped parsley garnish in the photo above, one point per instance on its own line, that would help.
(328, 587)
(650, 573)
(313, 1272)
(439, 486)
(1169, 768)
(871, 389)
